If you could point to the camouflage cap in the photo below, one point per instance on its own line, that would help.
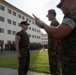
(24, 22)
(52, 11)
(60, 4)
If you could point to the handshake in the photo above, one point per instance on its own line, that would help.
(39, 22)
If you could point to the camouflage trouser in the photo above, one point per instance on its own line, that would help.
(68, 65)
(24, 62)
(54, 63)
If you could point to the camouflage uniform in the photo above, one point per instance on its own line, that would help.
(53, 60)
(24, 51)
(68, 53)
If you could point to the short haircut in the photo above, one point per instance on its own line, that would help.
(52, 11)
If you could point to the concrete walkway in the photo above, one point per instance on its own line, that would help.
(5, 53)
(7, 71)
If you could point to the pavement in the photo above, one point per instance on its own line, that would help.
(5, 53)
(8, 71)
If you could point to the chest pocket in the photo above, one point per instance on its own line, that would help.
(24, 39)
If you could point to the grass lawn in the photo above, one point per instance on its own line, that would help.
(38, 61)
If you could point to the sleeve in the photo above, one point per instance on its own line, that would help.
(54, 23)
(70, 22)
(18, 35)
(28, 37)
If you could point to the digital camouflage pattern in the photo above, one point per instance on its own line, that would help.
(24, 51)
(54, 60)
(68, 53)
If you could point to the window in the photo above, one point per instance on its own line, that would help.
(29, 28)
(2, 7)
(42, 41)
(13, 32)
(45, 35)
(29, 35)
(19, 16)
(41, 38)
(9, 31)
(9, 42)
(35, 30)
(19, 25)
(1, 42)
(32, 22)
(1, 30)
(9, 21)
(14, 13)
(23, 18)
(32, 36)
(35, 36)
(38, 31)
(9, 11)
(38, 37)
(41, 35)
(32, 29)
(27, 19)
(2, 19)
(14, 23)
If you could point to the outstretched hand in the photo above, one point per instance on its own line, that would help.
(39, 22)
(35, 17)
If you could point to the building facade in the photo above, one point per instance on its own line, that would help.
(44, 39)
(10, 17)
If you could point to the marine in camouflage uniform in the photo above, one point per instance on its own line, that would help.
(68, 53)
(53, 46)
(24, 58)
